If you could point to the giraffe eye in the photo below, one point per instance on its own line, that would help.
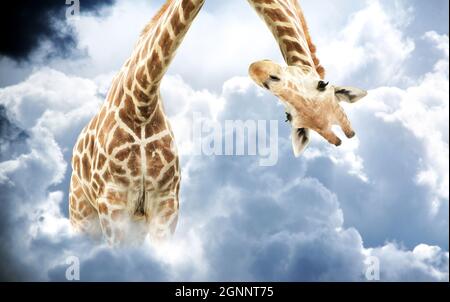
(322, 85)
(275, 78)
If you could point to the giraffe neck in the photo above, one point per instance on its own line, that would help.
(137, 87)
(287, 23)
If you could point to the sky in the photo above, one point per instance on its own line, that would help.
(326, 216)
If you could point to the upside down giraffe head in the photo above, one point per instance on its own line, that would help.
(310, 102)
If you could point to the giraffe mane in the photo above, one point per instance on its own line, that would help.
(312, 48)
(156, 17)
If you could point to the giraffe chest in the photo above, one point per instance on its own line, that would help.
(148, 176)
(141, 169)
(149, 164)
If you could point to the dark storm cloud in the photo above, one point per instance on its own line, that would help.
(28, 23)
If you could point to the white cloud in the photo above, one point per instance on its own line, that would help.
(423, 263)
(51, 108)
(346, 156)
(370, 42)
(181, 104)
(45, 95)
(228, 42)
(423, 109)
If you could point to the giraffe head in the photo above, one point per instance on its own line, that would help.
(310, 102)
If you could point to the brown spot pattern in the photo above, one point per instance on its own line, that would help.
(156, 125)
(120, 137)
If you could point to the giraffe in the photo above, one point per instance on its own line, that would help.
(126, 177)
(310, 102)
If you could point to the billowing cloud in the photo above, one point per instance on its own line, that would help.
(423, 109)
(423, 263)
(371, 48)
(410, 125)
(51, 108)
(281, 226)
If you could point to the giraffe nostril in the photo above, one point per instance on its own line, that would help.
(266, 85)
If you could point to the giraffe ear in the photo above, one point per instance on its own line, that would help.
(300, 140)
(349, 94)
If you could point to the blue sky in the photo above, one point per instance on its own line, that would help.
(320, 217)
